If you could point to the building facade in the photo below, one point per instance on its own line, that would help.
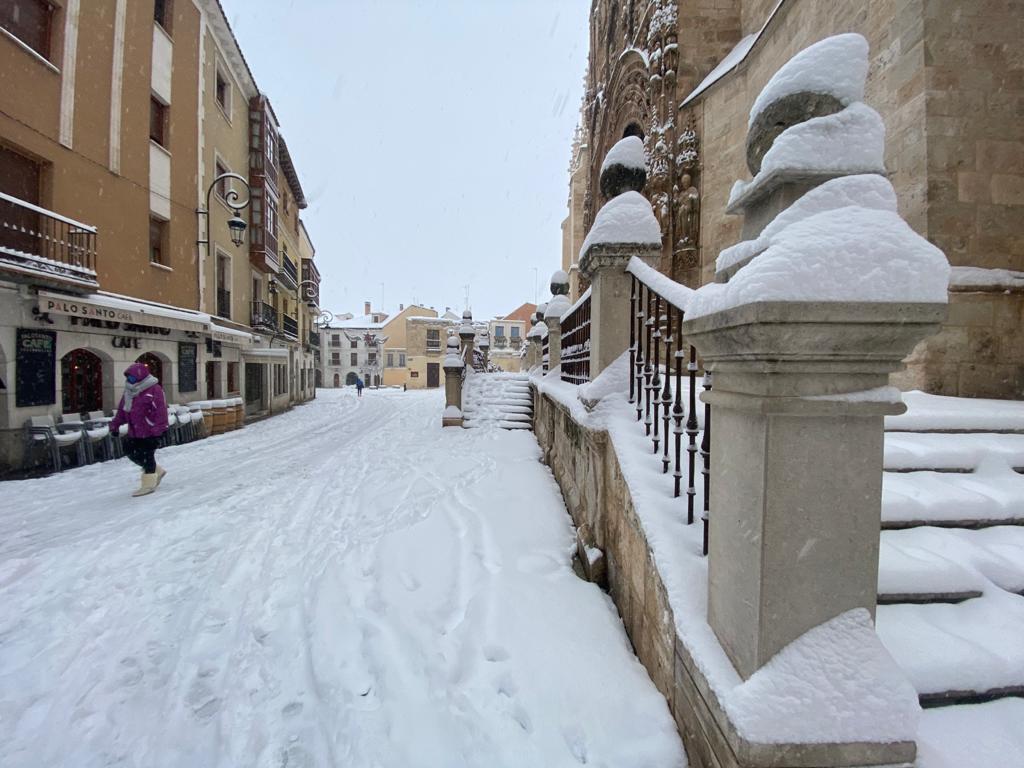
(354, 348)
(115, 121)
(396, 369)
(682, 76)
(426, 338)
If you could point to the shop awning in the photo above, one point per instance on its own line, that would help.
(269, 354)
(228, 335)
(98, 306)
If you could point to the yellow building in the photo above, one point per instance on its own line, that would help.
(425, 340)
(396, 369)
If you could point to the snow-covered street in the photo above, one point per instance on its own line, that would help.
(344, 585)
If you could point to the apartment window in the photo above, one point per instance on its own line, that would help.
(354, 358)
(371, 358)
(433, 338)
(232, 377)
(219, 169)
(20, 177)
(514, 330)
(223, 285)
(401, 359)
(162, 13)
(335, 340)
(257, 289)
(158, 121)
(335, 358)
(222, 92)
(355, 344)
(499, 331)
(158, 241)
(391, 359)
(29, 21)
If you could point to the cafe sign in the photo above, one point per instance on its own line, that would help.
(96, 309)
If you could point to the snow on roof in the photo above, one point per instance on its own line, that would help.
(362, 321)
(837, 65)
(845, 254)
(628, 152)
(627, 218)
(732, 59)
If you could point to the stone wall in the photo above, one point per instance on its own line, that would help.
(584, 463)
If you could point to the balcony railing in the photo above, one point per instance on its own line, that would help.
(263, 315)
(290, 325)
(289, 272)
(223, 303)
(40, 244)
(310, 291)
(314, 339)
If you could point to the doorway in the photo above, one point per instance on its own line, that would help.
(154, 363)
(254, 385)
(82, 381)
(433, 375)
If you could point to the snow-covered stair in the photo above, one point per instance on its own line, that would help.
(497, 400)
(951, 561)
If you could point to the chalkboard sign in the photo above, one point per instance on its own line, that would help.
(35, 368)
(187, 379)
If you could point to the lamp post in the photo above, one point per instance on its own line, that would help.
(236, 224)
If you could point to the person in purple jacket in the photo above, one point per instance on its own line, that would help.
(144, 409)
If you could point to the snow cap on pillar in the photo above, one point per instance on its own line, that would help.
(624, 168)
(557, 307)
(559, 283)
(466, 329)
(452, 357)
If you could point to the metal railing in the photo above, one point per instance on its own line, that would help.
(36, 240)
(314, 339)
(576, 342)
(290, 325)
(223, 303)
(263, 315)
(657, 356)
(289, 271)
(545, 352)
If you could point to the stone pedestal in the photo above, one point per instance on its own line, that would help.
(452, 394)
(554, 325)
(796, 462)
(604, 265)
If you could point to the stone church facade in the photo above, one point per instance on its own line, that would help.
(947, 77)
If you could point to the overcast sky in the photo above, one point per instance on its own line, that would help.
(431, 137)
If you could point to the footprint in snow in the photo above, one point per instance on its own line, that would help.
(495, 653)
(409, 581)
(292, 709)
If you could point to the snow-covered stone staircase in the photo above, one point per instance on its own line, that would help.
(951, 562)
(497, 400)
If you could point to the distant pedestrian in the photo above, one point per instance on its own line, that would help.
(144, 409)
(405, 387)
(359, 386)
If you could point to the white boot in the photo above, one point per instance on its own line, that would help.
(149, 482)
(160, 472)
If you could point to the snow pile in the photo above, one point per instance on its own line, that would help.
(980, 278)
(557, 307)
(452, 412)
(628, 152)
(974, 736)
(613, 380)
(850, 254)
(627, 218)
(837, 65)
(864, 190)
(675, 293)
(835, 676)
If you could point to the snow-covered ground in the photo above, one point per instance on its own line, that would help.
(343, 585)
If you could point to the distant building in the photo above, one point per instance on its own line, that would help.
(354, 348)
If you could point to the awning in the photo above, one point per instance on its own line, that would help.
(97, 306)
(271, 354)
(228, 335)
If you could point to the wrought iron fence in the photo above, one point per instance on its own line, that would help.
(289, 271)
(657, 356)
(290, 325)
(576, 342)
(263, 315)
(34, 239)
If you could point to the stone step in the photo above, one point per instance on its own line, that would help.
(504, 409)
(992, 495)
(958, 653)
(957, 415)
(962, 452)
(471, 424)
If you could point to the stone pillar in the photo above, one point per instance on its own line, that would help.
(485, 348)
(466, 333)
(796, 463)
(453, 367)
(604, 265)
(553, 312)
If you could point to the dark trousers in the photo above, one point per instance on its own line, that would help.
(142, 451)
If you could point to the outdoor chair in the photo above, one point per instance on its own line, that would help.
(186, 429)
(199, 425)
(171, 436)
(42, 429)
(95, 436)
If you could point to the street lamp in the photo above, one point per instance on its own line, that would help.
(236, 224)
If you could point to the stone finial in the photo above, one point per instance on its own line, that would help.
(541, 309)
(624, 168)
(559, 283)
(780, 115)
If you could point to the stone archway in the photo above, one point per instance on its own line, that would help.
(351, 378)
(153, 363)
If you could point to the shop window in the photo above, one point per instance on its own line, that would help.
(29, 21)
(158, 121)
(233, 378)
(154, 364)
(163, 12)
(82, 381)
(158, 241)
